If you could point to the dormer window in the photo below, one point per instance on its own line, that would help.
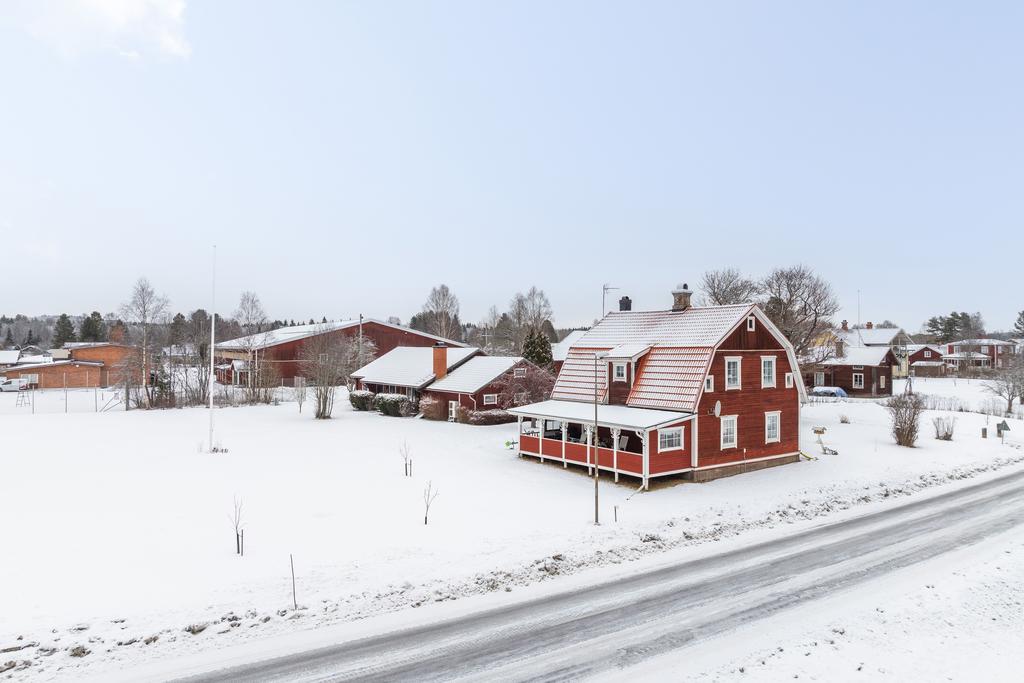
(750, 323)
(619, 372)
(709, 383)
(519, 373)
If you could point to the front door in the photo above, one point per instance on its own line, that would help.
(453, 410)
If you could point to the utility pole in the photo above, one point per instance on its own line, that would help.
(213, 338)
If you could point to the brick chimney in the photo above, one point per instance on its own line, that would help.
(869, 325)
(625, 304)
(846, 326)
(681, 297)
(440, 360)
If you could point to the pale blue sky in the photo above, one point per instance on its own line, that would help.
(347, 156)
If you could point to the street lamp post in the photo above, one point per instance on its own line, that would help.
(599, 355)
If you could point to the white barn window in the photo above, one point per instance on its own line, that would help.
(767, 372)
(733, 379)
(490, 399)
(730, 431)
(858, 380)
(750, 323)
(670, 439)
(772, 427)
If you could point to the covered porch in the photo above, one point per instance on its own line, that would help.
(563, 431)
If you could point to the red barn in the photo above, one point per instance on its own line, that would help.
(283, 346)
(702, 392)
(862, 371)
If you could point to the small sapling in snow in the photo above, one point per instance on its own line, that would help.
(236, 522)
(429, 495)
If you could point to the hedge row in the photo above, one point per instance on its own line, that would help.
(395, 405)
(485, 417)
(361, 399)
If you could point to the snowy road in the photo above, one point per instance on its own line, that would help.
(611, 626)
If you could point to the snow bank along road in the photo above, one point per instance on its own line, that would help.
(614, 625)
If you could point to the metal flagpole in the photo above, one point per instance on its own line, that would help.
(213, 338)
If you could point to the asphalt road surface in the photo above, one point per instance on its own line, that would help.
(582, 632)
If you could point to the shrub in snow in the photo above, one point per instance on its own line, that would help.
(485, 417)
(433, 408)
(944, 428)
(843, 419)
(394, 405)
(361, 399)
(196, 629)
(80, 651)
(905, 411)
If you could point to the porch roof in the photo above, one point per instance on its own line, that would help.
(607, 416)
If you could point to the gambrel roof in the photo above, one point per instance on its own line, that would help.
(670, 375)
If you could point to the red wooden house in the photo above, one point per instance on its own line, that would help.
(862, 371)
(410, 369)
(979, 354)
(478, 383)
(283, 346)
(701, 392)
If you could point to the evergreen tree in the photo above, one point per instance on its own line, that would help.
(29, 339)
(63, 331)
(9, 339)
(177, 330)
(537, 348)
(549, 331)
(1018, 327)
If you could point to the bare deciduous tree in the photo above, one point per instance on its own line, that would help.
(406, 454)
(534, 386)
(144, 308)
(237, 524)
(324, 362)
(725, 287)
(526, 313)
(1008, 383)
(801, 304)
(260, 373)
(299, 392)
(429, 495)
(441, 312)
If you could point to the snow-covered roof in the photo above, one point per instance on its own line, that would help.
(628, 351)
(560, 350)
(695, 326)
(475, 374)
(283, 335)
(926, 364)
(981, 342)
(876, 336)
(86, 345)
(35, 360)
(410, 366)
(607, 416)
(914, 348)
(9, 357)
(860, 355)
(51, 364)
(965, 355)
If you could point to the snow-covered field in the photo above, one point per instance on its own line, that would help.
(116, 525)
(955, 394)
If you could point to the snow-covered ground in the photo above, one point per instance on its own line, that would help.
(955, 394)
(958, 617)
(116, 525)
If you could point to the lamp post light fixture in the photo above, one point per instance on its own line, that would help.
(599, 355)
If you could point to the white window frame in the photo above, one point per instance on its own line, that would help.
(789, 380)
(819, 379)
(734, 419)
(751, 325)
(519, 373)
(673, 431)
(615, 372)
(709, 384)
(739, 372)
(927, 353)
(774, 380)
(777, 414)
(984, 349)
(881, 381)
(855, 384)
(453, 411)
(490, 399)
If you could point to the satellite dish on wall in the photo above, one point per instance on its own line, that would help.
(718, 408)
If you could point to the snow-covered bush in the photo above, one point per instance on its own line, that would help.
(394, 405)
(905, 411)
(944, 428)
(844, 419)
(485, 417)
(361, 399)
(433, 408)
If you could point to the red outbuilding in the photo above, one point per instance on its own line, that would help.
(701, 392)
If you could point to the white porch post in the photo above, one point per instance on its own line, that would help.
(565, 435)
(693, 441)
(615, 451)
(647, 464)
(520, 443)
(590, 440)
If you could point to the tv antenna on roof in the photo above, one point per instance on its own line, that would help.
(605, 288)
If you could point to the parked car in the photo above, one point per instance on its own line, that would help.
(836, 392)
(16, 384)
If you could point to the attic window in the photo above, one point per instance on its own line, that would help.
(519, 373)
(619, 372)
(750, 323)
